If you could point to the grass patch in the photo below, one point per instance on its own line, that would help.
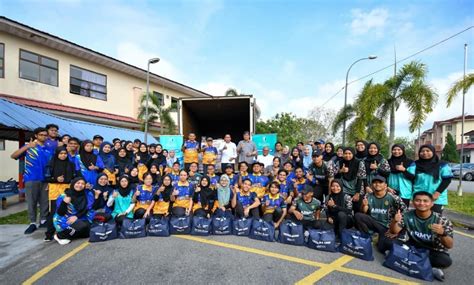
(14, 219)
(463, 204)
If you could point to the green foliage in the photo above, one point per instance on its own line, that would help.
(450, 153)
(157, 113)
(15, 219)
(462, 204)
(409, 146)
(458, 87)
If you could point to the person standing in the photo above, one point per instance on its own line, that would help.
(52, 141)
(209, 155)
(37, 156)
(190, 150)
(278, 149)
(266, 158)
(247, 149)
(229, 152)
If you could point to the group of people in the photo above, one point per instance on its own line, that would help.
(78, 182)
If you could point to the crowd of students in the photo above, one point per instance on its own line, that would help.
(78, 182)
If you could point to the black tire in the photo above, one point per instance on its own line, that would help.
(468, 177)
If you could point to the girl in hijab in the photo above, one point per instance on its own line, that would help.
(158, 158)
(88, 163)
(339, 153)
(141, 159)
(400, 180)
(121, 200)
(375, 164)
(361, 148)
(339, 208)
(143, 197)
(128, 145)
(307, 156)
(133, 177)
(155, 173)
(224, 196)
(182, 196)
(74, 212)
(431, 175)
(351, 173)
(203, 198)
(123, 162)
(108, 159)
(329, 153)
(102, 191)
(295, 158)
(62, 172)
(285, 154)
(161, 200)
(171, 158)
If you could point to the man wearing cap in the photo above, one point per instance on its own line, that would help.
(321, 144)
(377, 210)
(97, 140)
(266, 158)
(320, 173)
(259, 181)
(306, 210)
(209, 155)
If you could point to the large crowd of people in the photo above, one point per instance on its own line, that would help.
(76, 183)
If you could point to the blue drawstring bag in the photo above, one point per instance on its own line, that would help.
(159, 227)
(222, 224)
(262, 230)
(411, 261)
(201, 226)
(133, 228)
(103, 232)
(291, 233)
(242, 227)
(357, 244)
(180, 225)
(324, 240)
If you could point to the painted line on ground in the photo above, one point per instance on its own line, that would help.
(464, 234)
(38, 275)
(320, 273)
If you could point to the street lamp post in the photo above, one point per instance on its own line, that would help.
(462, 124)
(345, 94)
(150, 61)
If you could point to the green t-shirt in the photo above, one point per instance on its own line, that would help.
(307, 209)
(383, 209)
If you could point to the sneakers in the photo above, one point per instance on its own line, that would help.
(438, 274)
(48, 238)
(61, 241)
(30, 229)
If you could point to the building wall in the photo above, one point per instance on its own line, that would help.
(123, 90)
(9, 167)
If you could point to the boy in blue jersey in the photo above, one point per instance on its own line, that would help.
(37, 156)
(244, 202)
(209, 155)
(52, 142)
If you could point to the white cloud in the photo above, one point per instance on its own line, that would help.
(374, 20)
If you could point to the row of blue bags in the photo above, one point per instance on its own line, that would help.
(405, 259)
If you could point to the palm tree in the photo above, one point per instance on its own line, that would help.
(407, 86)
(157, 112)
(458, 86)
(232, 92)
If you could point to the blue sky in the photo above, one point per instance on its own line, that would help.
(292, 55)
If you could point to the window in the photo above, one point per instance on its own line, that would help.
(449, 128)
(2, 145)
(38, 68)
(2, 60)
(87, 83)
(174, 102)
(160, 97)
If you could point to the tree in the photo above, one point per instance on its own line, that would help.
(458, 86)
(409, 146)
(407, 86)
(325, 118)
(157, 112)
(450, 153)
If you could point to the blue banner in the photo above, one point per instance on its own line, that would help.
(173, 142)
(263, 140)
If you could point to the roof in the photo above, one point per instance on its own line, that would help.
(15, 117)
(54, 42)
(470, 133)
(452, 120)
(466, 146)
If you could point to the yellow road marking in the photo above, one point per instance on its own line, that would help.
(320, 273)
(464, 234)
(326, 268)
(53, 265)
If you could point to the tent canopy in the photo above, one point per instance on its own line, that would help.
(15, 117)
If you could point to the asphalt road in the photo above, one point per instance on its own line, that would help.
(209, 260)
(467, 186)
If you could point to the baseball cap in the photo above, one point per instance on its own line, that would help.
(98, 137)
(317, 153)
(379, 178)
(307, 189)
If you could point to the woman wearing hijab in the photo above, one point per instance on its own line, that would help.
(339, 208)
(102, 191)
(361, 149)
(400, 179)
(142, 157)
(329, 152)
(203, 198)
(285, 154)
(161, 200)
(158, 158)
(375, 164)
(295, 158)
(133, 178)
(307, 156)
(431, 175)
(129, 148)
(224, 195)
(88, 163)
(351, 173)
(62, 172)
(108, 158)
(121, 200)
(123, 162)
(74, 212)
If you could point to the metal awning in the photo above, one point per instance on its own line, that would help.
(15, 117)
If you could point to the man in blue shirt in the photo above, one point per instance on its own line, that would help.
(37, 156)
(52, 141)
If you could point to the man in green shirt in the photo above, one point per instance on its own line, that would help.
(306, 210)
(426, 229)
(377, 210)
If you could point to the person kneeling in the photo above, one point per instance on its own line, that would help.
(273, 205)
(427, 229)
(244, 202)
(306, 210)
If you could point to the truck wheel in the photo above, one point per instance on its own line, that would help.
(468, 177)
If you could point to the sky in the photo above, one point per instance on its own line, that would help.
(291, 55)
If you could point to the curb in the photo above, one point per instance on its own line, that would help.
(460, 219)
